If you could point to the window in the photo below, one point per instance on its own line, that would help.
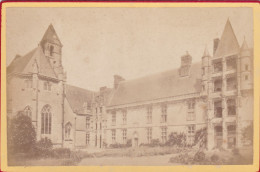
(217, 66)
(46, 120)
(68, 130)
(246, 67)
(231, 63)
(231, 83)
(28, 83)
(113, 118)
(113, 136)
(149, 114)
(218, 136)
(149, 135)
(28, 111)
(218, 109)
(51, 50)
(203, 87)
(164, 134)
(47, 86)
(231, 104)
(246, 77)
(231, 132)
(124, 117)
(217, 85)
(124, 136)
(87, 122)
(164, 113)
(100, 109)
(191, 104)
(87, 138)
(218, 131)
(191, 134)
(203, 71)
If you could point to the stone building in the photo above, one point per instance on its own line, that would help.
(215, 93)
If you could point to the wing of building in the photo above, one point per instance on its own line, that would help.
(215, 94)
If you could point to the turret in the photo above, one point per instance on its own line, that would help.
(52, 49)
(205, 70)
(246, 67)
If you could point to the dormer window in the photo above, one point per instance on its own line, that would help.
(47, 86)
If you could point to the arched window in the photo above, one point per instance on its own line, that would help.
(28, 111)
(68, 130)
(46, 120)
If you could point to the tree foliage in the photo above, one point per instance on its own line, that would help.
(21, 135)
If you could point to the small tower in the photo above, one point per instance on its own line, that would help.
(52, 49)
(205, 71)
(186, 61)
(246, 67)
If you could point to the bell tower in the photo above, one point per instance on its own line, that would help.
(52, 49)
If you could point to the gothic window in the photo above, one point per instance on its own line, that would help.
(246, 67)
(28, 111)
(113, 136)
(124, 136)
(87, 138)
(164, 113)
(124, 117)
(149, 135)
(87, 122)
(113, 118)
(231, 83)
(164, 134)
(231, 63)
(68, 130)
(191, 133)
(191, 104)
(46, 120)
(149, 114)
(217, 66)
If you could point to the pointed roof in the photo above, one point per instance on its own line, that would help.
(228, 43)
(51, 36)
(24, 64)
(244, 45)
(206, 52)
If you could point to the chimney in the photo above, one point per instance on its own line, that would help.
(117, 80)
(215, 45)
(186, 61)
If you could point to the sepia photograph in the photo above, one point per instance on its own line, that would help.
(89, 86)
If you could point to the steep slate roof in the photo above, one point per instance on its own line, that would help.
(51, 36)
(228, 43)
(24, 64)
(161, 85)
(78, 97)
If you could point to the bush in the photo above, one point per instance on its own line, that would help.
(199, 156)
(21, 135)
(61, 152)
(44, 143)
(118, 145)
(214, 158)
(43, 148)
(176, 139)
(201, 137)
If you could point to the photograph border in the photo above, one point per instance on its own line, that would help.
(212, 168)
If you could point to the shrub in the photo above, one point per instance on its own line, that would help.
(129, 143)
(61, 152)
(44, 143)
(176, 139)
(21, 135)
(118, 145)
(199, 156)
(43, 148)
(214, 158)
(201, 137)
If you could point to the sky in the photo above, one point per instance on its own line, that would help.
(131, 42)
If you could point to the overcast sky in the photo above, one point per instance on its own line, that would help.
(132, 42)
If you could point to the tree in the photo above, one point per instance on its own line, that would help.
(21, 135)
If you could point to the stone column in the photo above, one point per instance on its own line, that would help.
(224, 126)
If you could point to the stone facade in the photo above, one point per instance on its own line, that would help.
(216, 94)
